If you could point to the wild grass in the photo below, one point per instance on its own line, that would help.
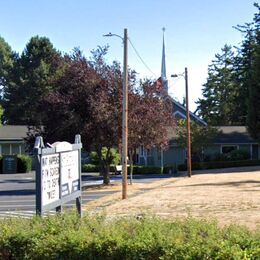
(146, 237)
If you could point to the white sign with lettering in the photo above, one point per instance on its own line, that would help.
(69, 172)
(50, 178)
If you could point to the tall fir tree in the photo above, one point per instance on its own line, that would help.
(231, 93)
(29, 81)
(252, 78)
(7, 57)
(216, 107)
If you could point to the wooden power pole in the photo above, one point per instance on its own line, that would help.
(188, 124)
(125, 120)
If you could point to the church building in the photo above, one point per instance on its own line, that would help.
(229, 137)
(174, 154)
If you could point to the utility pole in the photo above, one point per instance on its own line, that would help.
(125, 120)
(188, 124)
(124, 113)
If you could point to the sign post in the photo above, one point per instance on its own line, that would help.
(58, 175)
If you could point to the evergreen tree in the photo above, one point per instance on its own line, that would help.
(29, 81)
(217, 105)
(231, 93)
(7, 57)
(252, 77)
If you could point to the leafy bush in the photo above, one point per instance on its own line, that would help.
(235, 155)
(89, 168)
(69, 237)
(114, 152)
(219, 164)
(94, 168)
(170, 168)
(140, 169)
(24, 163)
(137, 169)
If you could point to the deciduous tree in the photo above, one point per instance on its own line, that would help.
(150, 117)
(86, 100)
(201, 136)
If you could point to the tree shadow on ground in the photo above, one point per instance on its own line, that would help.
(229, 183)
(226, 170)
(17, 181)
(26, 192)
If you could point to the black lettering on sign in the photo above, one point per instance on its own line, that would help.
(51, 194)
(54, 160)
(44, 161)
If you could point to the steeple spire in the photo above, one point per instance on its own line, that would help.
(163, 68)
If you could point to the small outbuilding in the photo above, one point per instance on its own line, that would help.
(12, 139)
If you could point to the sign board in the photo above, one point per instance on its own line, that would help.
(50, 178)
(69, 172)
(9, 164)
(58, 175)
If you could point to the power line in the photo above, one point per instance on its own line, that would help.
(139, 56)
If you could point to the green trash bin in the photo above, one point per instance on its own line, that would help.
(9, 164)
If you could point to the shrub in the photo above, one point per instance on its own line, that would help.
(220, 157)
(170, 168)
(137, 169)
(95, 168)
(24, 163)
(69, 237)
(115, 156)
(89, 168)
(140, 169)
(219, 164)
(235, 155)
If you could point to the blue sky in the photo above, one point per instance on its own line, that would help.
(195, 31)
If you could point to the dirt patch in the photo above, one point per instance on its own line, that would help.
(226, 197)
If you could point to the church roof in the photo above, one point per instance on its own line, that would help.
(233, 135)
(179, 112)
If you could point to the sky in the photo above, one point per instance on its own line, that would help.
(195, 31)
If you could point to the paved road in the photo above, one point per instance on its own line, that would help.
(17, 192)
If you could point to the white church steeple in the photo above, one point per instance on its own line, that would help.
(163, 69)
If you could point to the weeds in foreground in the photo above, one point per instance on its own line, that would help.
(146, 237)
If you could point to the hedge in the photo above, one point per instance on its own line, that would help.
(89, 168)
(137, 169)
(24, 163)
(69, 237)
(219, 164)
